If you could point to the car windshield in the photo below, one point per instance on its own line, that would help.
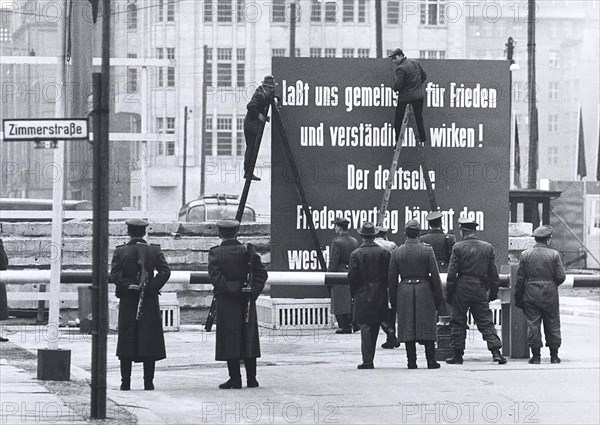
(217, 212)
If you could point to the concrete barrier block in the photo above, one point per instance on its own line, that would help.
(520, 243)
(520, 229)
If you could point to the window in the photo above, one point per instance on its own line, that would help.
(315, 52)
(297, 52)
(240, 9)
(553, 59)
(553, 123)
(330, 11)
(315, 11)
(432, 12)
(208, 71)
(132, 18)
(160, 53)
(241, 67)
(241, 70)
(553, 155)
(132, 79)
(5, 34)
(208, 136)
(224, 70)
(170, 125)
(224, 11)
(432, 54)
(224, 136)
(208, 10)
(348, 11)
(241, 142)
(278, 10)
(160, 125)
(171, 53)
(278, 53)
(393, 12)
(363, 53)
(161, 77)
(330, 53)
(348, 53)
(161, 10)
(362, 11)
(553, 90)
(170, 11)
(170, 76)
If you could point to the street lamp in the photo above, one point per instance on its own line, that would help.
(186, 111)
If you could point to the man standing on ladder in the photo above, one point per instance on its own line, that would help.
(255, 118)
(408, 82)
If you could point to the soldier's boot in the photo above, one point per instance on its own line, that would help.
(344, 324)
(457, 357)
(411, 354)
(498, 357)
(430, 355)
(554, 359)
(235, 378)
(250, 365)
(125, 375)
(536, 357)
(391, 340)
(149, 375)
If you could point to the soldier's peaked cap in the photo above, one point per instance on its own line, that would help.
(433, 215)
(137, 222)
(467, 223)
(542, 232)
(341, 221)
(228, 223)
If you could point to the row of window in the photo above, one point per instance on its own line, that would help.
(352, 11)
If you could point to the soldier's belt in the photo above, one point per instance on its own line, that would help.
(472, 276)
(414, 281)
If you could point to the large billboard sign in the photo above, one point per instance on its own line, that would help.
(339, 118)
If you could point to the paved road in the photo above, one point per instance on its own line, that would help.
(311, 377)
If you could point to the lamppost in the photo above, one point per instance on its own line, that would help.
(186, 111)
(509, 50)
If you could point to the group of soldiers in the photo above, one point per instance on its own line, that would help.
(385, 283)
(405, 285)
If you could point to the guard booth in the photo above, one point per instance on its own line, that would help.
(531, 205)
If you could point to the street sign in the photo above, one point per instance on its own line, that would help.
(23, 130)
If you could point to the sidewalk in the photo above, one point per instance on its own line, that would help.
(311, 377)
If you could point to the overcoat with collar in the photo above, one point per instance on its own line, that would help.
(143, 339)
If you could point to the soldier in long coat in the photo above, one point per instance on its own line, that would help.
(237, 328)
(539, 274)
(417, 295)
(441, 242)
(139, 340)
(367, 278)
(472, 274)
(339, 259)
(3, 300)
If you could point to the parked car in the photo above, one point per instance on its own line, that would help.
(213, 208)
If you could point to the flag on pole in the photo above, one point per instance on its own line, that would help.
(581, 170)
(517, 157)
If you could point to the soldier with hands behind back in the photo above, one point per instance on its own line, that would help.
(140, 336)
(417, 295)
(229, 266)
(539, 274)
(472, 282)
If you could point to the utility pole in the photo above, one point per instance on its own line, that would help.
(100, 223)
(293, 30)
(184, 177)
(533, 118)
(203, 147)
(378, 29)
